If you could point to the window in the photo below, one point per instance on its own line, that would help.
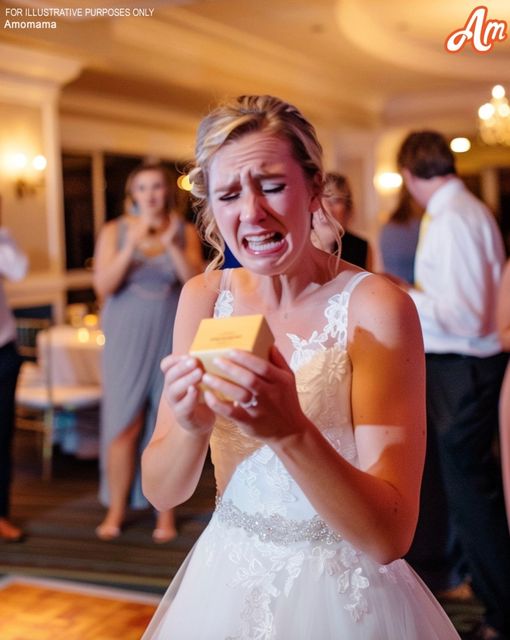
(78, 209)
(116, 170)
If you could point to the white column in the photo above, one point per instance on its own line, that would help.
(30, 84)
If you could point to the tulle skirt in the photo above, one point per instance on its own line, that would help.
(235, 586)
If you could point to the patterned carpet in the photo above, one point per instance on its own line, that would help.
(59, 518)
(463, 614)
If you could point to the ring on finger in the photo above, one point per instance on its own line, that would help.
(252, 402)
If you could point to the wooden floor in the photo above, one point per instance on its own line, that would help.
(43, 610)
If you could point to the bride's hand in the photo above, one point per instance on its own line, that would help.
(263, 400)
(181, 391)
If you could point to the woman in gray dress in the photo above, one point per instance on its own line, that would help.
(141, 261)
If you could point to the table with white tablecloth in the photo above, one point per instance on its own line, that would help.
(73, 355)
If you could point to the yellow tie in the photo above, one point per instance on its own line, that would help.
(424, 226)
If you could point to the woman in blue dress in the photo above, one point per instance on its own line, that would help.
(141, 261)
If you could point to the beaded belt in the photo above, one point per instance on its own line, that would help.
(275, 528)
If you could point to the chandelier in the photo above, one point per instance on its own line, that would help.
(494, 118)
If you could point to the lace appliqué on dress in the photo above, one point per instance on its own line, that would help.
(336, 328)
(224, 305)
(324, 394)
(268, 570)
(304, 350)
(336, 315)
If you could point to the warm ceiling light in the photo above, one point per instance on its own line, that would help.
(486, 111)
(494, 118)
(388, 181)
(460, 145)
(498, 92)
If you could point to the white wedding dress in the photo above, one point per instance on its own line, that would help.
(267, 567)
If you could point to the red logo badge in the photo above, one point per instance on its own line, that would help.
(480, 32)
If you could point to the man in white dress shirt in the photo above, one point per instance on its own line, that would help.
(13, 265)
(458, 267)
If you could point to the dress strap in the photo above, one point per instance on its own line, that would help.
(224, 305)
(337, 311)
(226, 279)
(355, 280)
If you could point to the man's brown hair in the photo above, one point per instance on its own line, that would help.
(426, 154)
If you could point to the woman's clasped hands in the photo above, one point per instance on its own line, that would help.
(137, 232)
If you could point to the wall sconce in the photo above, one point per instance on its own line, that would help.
(27, 174)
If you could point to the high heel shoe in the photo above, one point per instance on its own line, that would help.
(107, 532)
(9, 532)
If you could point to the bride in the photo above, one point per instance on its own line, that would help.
(318, 452)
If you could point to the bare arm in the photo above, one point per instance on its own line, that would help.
(111, 263)
(173, 460)
(376, 506)
(503, 308)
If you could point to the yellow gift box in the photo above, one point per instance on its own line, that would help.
(216, 336)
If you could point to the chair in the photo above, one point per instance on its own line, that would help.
(38, 400)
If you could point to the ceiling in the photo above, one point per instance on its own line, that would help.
(347, 63)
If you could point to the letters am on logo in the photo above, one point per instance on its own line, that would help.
(479, 31)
